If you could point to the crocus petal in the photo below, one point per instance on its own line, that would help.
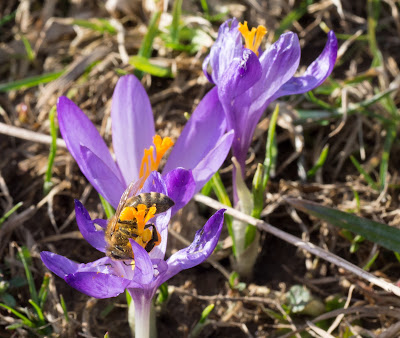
(201, 133)
(180, 186)
(132, 125)
(316, 73)
(143, 272)
(202, 247)
(77, 130)
(227, 47)
(239, 79)
(209, 165)
(58, 264)
(87, 228)
(279, 63)
(101, 177)
(98, 285)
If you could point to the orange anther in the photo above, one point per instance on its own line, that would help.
(252, 38)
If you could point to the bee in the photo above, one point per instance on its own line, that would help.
(119, 231)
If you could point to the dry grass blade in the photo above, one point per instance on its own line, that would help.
(326, 255)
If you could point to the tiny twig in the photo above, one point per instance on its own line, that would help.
(29, 135)
(326, 255)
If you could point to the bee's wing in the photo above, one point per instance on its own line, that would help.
(132, 189)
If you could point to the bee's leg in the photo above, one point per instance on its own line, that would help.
(154, 239)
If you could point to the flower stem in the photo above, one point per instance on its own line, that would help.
(142, 316)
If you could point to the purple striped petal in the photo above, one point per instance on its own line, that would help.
(144, 271)
(102, 177)
(77, 130)
(87, 228)
(58, 264)
(180, 186)
(98, 285)
(225, 49)
(316, 73)
(209, 165)
(132, 125)
(202, 247)
(201, 133)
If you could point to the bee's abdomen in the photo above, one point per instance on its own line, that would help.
(160, 201)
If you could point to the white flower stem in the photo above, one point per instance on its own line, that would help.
(142, 317)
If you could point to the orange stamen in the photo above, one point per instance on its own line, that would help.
(151, 161)
(252, 38)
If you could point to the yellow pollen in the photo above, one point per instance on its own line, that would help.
(151, 161)
(252, 38)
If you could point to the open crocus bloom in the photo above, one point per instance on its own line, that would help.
(248, 80)
(201, 148)
(107, 278)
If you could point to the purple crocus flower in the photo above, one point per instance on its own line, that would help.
(201, 148)
(107, 278)
(248, 79)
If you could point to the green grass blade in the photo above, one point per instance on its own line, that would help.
(202, 321)
(96, 24)
(146, 47)
(44, 290)
(30, 81)
(176, 18)
(64, 307)
(366, 176)
(52, 154)
(10, 212)
(108, 209)
(270, 148)
(382, 234)
(29, 51)
(7, 18)
(24, 319)
(390, 137)
(144, 65)
(222, 195)
(38, 311)
(320, 162)
(371, 261)
(25, 257)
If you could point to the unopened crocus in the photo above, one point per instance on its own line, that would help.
(248, 79)
(105, 277)
(201, 148)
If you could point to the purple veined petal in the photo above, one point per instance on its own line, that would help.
(98, 285)
(205, 68)
(225, 49)
(241, 75)
(58, 264)
(144, 271)
(201, 133)
(155, 183)
(204, 243)
(87, 228)
(102, 222)
(132, 125)
(77, 130)
(180, 186)
(209, 165)
(161, 222)
(279, 63)
(316, 73)
(102, 177)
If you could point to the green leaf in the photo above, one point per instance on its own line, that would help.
(24, 319)
(108, 209)
(176, 18)
(320, 162)
(96, 24)
(25, 257)
(10, 212)
(30, 81)
(366, 176)
(390, 137)
(144, 65)
(64, 307)
(163, 293)
(382, 234)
